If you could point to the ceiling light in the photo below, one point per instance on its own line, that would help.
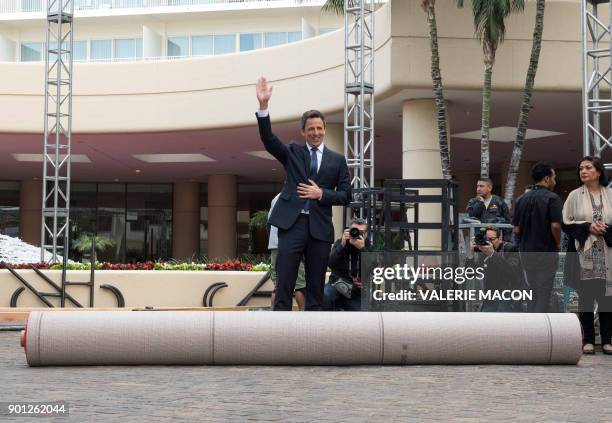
(137, 171)
(262, 154)
(506, 134)
(27, 157)
(173, 158)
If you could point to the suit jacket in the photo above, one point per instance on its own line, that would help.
(333, 179)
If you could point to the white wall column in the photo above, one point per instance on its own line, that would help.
(8, 49)
(151, 42)
(308, 31)
(421, 160)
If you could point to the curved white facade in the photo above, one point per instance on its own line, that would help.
(217, 91)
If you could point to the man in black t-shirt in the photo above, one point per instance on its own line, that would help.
(537, 226)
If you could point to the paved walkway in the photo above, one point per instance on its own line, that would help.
(580, 393)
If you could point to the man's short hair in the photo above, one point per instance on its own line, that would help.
(487, 180)
(493, 228)
(540, 171)
(359, 221)
(311, 114)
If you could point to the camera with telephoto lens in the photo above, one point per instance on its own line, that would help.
(355, 233)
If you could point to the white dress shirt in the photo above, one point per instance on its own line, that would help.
(319, 153)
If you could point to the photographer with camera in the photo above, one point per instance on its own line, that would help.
(343, 291)
(501, 264)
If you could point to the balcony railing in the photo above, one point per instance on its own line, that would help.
(38, 6)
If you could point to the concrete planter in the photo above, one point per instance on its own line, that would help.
(140, 288)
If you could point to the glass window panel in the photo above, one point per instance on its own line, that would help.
(79, 50)
(250, 42)
(32, 5)
(82, 218)
(294, 36)
(149, 222)
(178, 46)
(275, 38)
(242, 228)
(31, 52)
(139, 48)
(111, 220)
(225, 44)
(101, 50)
(125, 49)
(203, 231)
(202, 45)
(9, 208)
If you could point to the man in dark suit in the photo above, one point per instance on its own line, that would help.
(317, 179)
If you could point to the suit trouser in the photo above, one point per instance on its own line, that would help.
(293, 243)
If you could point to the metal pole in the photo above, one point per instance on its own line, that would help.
(57, 129)
(597, 77)
(359, 94)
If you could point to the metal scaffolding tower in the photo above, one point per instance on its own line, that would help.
(359, 92)
(58, 128)
(597, 78)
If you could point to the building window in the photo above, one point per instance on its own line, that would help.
(275, 38)
(250, 42)
(128, 48)
(178, 46)
(148, 222)
(32, 5)
(135, 218)
(9, 208)
(225, 44)
(202, 45)
(101, 50)
(31, 52)
(79, 51)
(294, 36)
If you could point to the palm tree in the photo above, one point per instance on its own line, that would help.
(519, 142)
(490, 29)
(436, 76)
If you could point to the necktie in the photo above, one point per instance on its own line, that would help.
(313, 170)
(313, 163)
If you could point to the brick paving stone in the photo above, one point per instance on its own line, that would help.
(323, 394)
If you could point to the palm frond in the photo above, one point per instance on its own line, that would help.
(489, 18)
(336, 6)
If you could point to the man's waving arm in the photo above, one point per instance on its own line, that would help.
(270, 141)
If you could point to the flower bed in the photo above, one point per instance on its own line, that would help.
(151, 265)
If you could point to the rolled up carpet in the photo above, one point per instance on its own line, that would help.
(290, 338)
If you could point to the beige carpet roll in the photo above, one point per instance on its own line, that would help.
(292, 338)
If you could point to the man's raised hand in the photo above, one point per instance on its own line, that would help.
(264, 92)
